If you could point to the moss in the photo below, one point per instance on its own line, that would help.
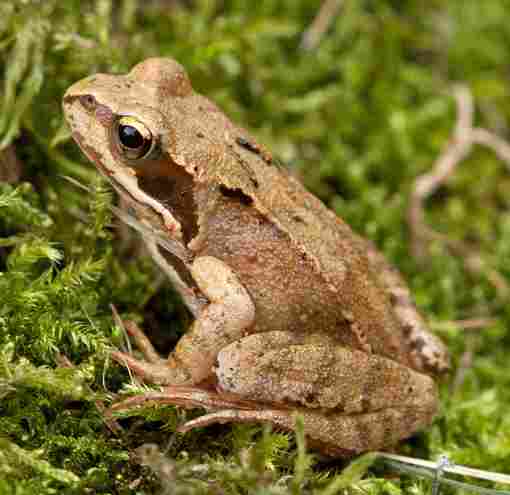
(359, 118)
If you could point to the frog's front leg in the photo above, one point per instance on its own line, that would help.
(224, 320)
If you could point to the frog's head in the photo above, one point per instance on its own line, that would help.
(129, 127)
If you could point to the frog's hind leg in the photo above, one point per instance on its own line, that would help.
(350, 401)
(348, 398)
(273, 368)
(334, 434)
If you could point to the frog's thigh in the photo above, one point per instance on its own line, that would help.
(223, 321)
(270, 368)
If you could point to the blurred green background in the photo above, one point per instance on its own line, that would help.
(359, 117)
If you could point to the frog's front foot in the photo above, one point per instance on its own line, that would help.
(229, 313)
(154, 369)
(188, 373)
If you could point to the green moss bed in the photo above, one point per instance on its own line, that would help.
(358, 117)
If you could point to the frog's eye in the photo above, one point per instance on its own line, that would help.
(134, 139)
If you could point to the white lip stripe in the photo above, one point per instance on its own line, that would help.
(130, 183)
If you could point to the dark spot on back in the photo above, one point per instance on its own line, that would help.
(254, 148)
(418, 344)
(407, 329)
(236, 194)
(248, 145)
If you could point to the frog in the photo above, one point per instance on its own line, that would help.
(294, 315)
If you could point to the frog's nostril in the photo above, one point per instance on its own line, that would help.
(88, 102)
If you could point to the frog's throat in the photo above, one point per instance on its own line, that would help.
(173, 246)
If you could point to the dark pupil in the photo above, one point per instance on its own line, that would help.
(130, 137)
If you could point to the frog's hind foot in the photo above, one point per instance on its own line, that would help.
(227, 407)
(335, 433)
(189, 397)
(193, 397)
(237, 416)
(283, 419)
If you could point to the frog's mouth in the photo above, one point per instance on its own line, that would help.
(93, 155)
(167, 243)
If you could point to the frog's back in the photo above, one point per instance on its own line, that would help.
(304, 267)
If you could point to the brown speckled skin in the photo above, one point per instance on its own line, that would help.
(334, 334)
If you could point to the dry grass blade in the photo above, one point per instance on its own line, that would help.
(443, 466)
(313, 35)
(465, 136)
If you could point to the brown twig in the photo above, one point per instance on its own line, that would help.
(11, 168)
(465, 136)
(465, 364)
(313, 35)
(468, 324)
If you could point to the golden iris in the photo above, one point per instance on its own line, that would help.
(134, 138)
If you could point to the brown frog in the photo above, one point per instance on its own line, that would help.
(294, 313)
